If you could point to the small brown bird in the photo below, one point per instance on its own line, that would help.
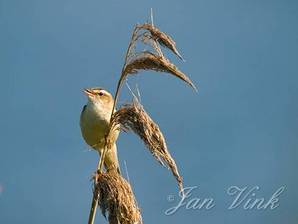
(94, 123)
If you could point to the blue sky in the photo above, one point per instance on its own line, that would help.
(239, 129)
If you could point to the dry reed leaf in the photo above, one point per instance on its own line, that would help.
(149, 61)
(117, 199)
(161, 37)
(133, 117)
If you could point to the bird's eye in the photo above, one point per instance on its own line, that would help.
(100, 93)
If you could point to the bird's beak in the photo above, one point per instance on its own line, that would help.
(89, 92)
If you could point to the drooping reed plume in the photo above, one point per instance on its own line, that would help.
(113, 192)
(133, 117)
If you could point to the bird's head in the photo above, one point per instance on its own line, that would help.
(99, 97)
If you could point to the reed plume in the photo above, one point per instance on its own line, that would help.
(133, 117)
(117, 199)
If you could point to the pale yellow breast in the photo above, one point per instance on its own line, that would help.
(93, 129)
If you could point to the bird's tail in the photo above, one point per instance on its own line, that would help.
(111, 162)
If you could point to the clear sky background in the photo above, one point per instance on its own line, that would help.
(239, 129)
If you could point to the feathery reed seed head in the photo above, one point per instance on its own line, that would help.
(161, 37)
(148, 61)
(116, 198)
(133, 117)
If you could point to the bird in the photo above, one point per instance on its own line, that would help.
(94, 124)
